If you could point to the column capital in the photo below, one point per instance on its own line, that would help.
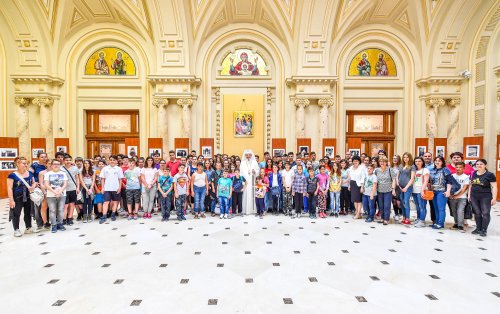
(325, 102)
(185, 101)
(43, 101)
(22, 101)
(301, 102)
(160, 101)
(435, 102)
(454, 102)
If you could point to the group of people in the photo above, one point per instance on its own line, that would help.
(52, 191)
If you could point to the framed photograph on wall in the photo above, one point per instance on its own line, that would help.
(278, 152)
(472, 151)
(132, 151)
(181, 152)
(355, 152)
(440, 151)
(303, 150)
(7, 165)
(470, 162)
(498, 165)
(329, 151)
(154, 151)
(206, 152)
(8, 152)
(36, 151)
(421, 150)
(62, 149)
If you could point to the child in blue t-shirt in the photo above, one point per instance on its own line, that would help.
(224, 191)
(165, 187)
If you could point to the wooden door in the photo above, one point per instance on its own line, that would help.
(105, 148)
(375, 128)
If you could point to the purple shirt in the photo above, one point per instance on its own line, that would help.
(323, 180)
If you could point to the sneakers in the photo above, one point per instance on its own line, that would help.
(102, 220)
(84, 219)
(221, 216)
(196, 216)
(163, 219)
(460, 228)
(129, 217)
(17, 233)
(476, 231)
(368, 220)
(54, 229)
(416, 221)
(406, 221)
(60, 227)
(420, 224)
(70, 221)
(454, 227)
(28, 231)
(225, 216)
(435, 227)
(397, 218)
(202, 215)
(89, 218)
(135, 217)
(113, 217)
(483, 233)
(183, 217)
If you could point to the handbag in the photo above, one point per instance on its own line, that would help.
(36, 195)
(79, 196)
(468, 211)
(428, 195)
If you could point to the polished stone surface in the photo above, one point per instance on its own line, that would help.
(249, 265)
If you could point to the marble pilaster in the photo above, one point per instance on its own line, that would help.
(46, 123)
(161, 103)
(186, 104)
(453, 132)
(432, 114)
(300, 104)
(325, 104)
(22, 125)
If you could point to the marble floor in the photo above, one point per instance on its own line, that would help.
(249, 265)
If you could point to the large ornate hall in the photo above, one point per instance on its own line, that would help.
(139, 78)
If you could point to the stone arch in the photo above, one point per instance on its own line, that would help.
(80, 97)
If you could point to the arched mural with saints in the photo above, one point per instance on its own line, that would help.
(110, 61)
(372, 62)
(244, 62)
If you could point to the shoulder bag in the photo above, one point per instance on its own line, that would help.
(36, 195)
(79, 196)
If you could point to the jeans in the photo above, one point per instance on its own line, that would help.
(276, 203)
(440, 207)
(405, 201)
(148, 198)
(457, 207)
(165, 205)
(37, 213)
(305, 204)
(421, 206)
(87, 204)
(179, 205)
(267, 200)
(56, 209)
(384, 203)
(345, 199)
(259, 202)
(335, 202)
(369, 205)
(20, 207)
(224, 205)
(311, 203)
(482, 207)
(237, 199)
(199, 198)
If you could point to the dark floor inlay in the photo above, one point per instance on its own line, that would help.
(491, 275)
(276, 264)
(197, 253)
(313, 279)
(434, 277)
(45, 253)
(483, 249)
(179, 243)
(431, 297)
(53, 281)
(81, 235)
(385, 262)
(345, 251)
(438, 249)
(439, 240)
(287, 300)
(133, 243)
(205, 234)
(249, 280)
(337, 227)
(164, 235)
(301, 228)
(246, 235)
(42, 243)
(331, 263)
(246, 222)
(152, 228)
(123, 235)
(287, 234)
(313, 242)
(184, 281)
(264, 228)
(147, 253)
(88, 243)
(361, 299)
(136, 303)
(48, 265)
(326, 234)
(220, 265)
(496, 294)
(59, 303)
(248, 252)
(486, 260)
(212, 301)
(403, 232)
(364, 233)
(436, 261)
(374, 278)
(392, 250)
(399, 241)
(163, 265)
(118, 281)
(224, 242)
(96, 253)
(105, 265)
(296, 252)
(355, 241)
(269, 242)
(114, 228)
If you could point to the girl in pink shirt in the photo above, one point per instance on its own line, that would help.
(323, 180)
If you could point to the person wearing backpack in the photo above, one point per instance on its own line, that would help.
(19, 185)
(440, 179)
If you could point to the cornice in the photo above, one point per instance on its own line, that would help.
(440, 80)
(294, 80)
(174, 79)
(36, 79)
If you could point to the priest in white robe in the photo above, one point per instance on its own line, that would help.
(249, 169)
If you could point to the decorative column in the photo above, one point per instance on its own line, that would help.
(301, 104)
(186, 104)
(453, 125)
(161, 103)
(22, 126)
(432, 113)
(46, 122)
(325, 104)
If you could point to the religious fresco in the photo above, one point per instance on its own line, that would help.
(372, 62)
(110, 61)
(244, 62)
(243, 123)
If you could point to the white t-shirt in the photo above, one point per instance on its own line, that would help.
(287, 177)
(149, 174)
(358, 174)
(463, 180)
(199, 179)
(419, 180)
(182, 181)
(112, 176)
(56, 181)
